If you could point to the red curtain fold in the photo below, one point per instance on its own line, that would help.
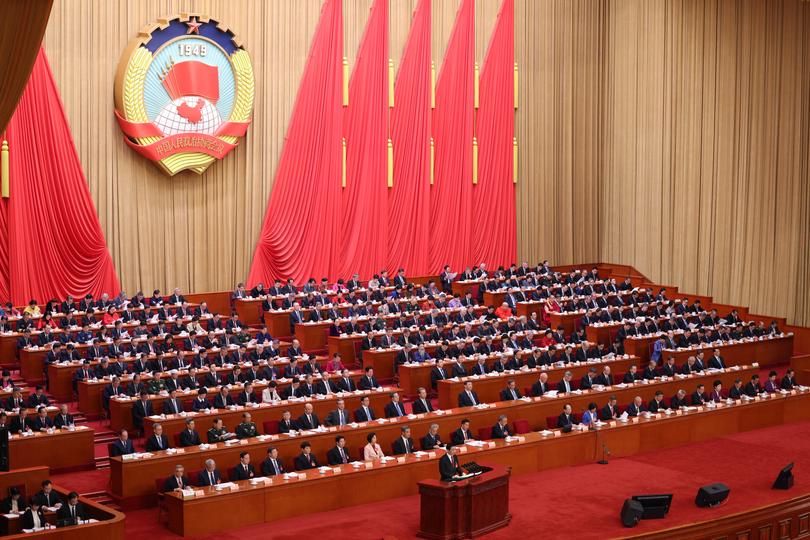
(52, 241)
(5, 282)
(451, 219)
(409, 199)
(494, 195)
(301, 233)
(364, 245)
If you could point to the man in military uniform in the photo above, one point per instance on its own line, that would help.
(218, 433)
(247, 428)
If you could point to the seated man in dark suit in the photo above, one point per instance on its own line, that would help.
(189, 436)
(244, 470)
(657, 403)
(38, 398)
(422, 403)
(605, 378)
(635, 408)
(565, 418)
(404, 443)
(432, 440)
(737, 390)
(610, 411)
(63, 419)
(345, 382)
(223, 399)
(368, 381)
(122, 446)
(468, 397)
(565, 385)
(650, 371)
(178, 480)
(510, 393)
(438, 373)
(305, 460)
(463, 433)
(72, 512)
(541, 386)
(41, 422)
(788, 381)
(308, 420)
(364, 413)
(395, 408)
(632, 375)
(501, 430)
(210, 475)
(678, 400)
(339, 416)
(699, 395)
(339, 454)
(157, 441)
(272, 466)
(753, 387)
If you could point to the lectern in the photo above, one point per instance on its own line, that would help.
(467, 508)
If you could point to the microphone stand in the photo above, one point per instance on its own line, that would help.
(605, 449)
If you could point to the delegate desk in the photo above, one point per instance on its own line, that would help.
(413, 376)
(132, 480)
(280, 497)
(489, 386)
(103, 523)
(264, 412)
(767, 351)
(60, 450)
(90, 392)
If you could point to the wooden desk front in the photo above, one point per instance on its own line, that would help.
(769, 351)
(282, 498)
(59, 450)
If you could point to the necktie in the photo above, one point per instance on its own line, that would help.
(425, 404)
(309, 419)
(211, 477)
(159, 442)
(180, 482)
(368, 413)
(472, 399)
(343, 455)
(514, 396)
(342, 421)
(275, 467)
(73, 512)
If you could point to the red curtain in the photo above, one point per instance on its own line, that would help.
(364, 244)
(409, 199)
(301, 233)
(494, 195)
(52, 244)
(451, 216)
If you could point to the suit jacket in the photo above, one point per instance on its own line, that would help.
(607, 413)
(437, 375)
(506, 394)
(676, 402)
(698, 398)
(465, 401)
(304, 462)
(500, 432)
(538, 388)
(121, 448)
(334, 417)
(449, 467)
(565, 420)
(239, 472)
(361, 416)
(171, 483)
(38, 424)
(172, 406)
(751, 390)
(654, 406)
(367, 383)
(459, 436)
(633, 410)
(189, 438)
(307, 423)
(71, 515)
(393, 410)
(736, 393)
(204, 480)
(400, 446)
(561, 386)
(27, 518)
(152, 443)
(286, 426)
(59, 421)
(604, 380)
(429, 441)
(220, 403)
(333, 456)
(269, 470)
(716, 363)
(421, 406)
(347, 384)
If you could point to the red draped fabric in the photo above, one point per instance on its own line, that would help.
(494, 195)
(451, 218)
(364, 245)
(409, 199)
(301, 233)
(52, 244)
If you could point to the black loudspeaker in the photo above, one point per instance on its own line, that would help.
(785, 478)
(655, 506)
(711, 495)
(631, 513)
(4, 465)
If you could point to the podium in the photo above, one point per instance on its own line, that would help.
(466, 508)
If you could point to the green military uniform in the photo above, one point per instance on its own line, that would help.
(246, 429)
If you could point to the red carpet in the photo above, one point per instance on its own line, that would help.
(577, 502)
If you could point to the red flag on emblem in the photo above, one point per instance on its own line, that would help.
(192, 78)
